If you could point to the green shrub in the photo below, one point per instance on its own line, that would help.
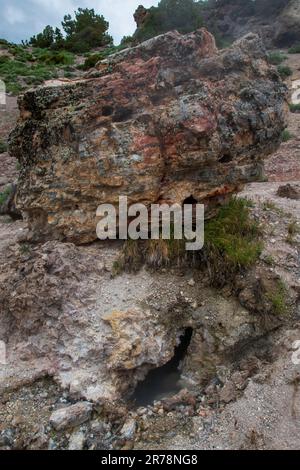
(286, 135)
(92, 60)
(232, 244)
(5, 195)
(276, 58)
(182, 15)
(284, 71)
(232, 237)
(278, 299)
(3, 146)
(86, 31)
(294, 49)
(294, 108)
(49, 57)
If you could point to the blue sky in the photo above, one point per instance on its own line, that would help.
(20, 19)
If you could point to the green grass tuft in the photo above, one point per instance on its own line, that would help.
(233, 236)
(286, 135)
(3, 146)
(278, 299)
(5, 195)
(294, 108)
(294, 49)
(284, 71)
(276, 58)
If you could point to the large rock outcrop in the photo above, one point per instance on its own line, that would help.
(277, 22)
(169, 119)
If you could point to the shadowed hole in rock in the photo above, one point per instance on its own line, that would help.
(190, 200)
(226, 159)
(164, 381)
(107, 111)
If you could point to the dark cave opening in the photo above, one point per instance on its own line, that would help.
(163, 381)
(190, 200)
(225, 158)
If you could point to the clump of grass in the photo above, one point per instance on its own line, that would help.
(232, 244)
(269, 260)
(294, 49)
(294, 108)
(231, 241)
(270, 206)
(24, 248)
(293, 230)
(3, 146)
(284, 71)
(276, 58)
(155, 254)
(5, 195)
(286, 135)
(31, 67)
(91, 61)
(278, 299)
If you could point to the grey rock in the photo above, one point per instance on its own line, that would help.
(71, 416)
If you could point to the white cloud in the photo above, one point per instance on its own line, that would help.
(14, 15)
(32, 16)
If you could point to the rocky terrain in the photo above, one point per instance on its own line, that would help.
(80, 339)
(276, 21)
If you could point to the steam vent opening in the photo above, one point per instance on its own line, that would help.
(163, 381)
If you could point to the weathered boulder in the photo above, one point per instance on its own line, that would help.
(71, 416)
(161, 122)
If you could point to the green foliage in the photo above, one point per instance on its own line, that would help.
(86, 31)
(3, 146)
(276, 58)
(294, 49)
(4, 42)
(44, 39)
(284, 71)
(294, 108)
(182, 15)
(91, 61)
(278, 299)
(127, 41)
(232, 236)
(5, 195)
(55, 58)
(286, 135)
(293, 230)
(31, 68)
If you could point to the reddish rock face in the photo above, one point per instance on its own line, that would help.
(169, 119)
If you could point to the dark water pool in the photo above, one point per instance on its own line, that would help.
(164, 381)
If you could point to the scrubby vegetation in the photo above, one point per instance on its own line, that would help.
(3, 146)
(295, 108)
(84, 32)
(231, 241)
(5, 195)
(295, 49)
(286, 135)
(293, 230)
(276, 58)
(278, 299)
(21, 70)
(232, 244)
(183, 15)
(284, 71)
